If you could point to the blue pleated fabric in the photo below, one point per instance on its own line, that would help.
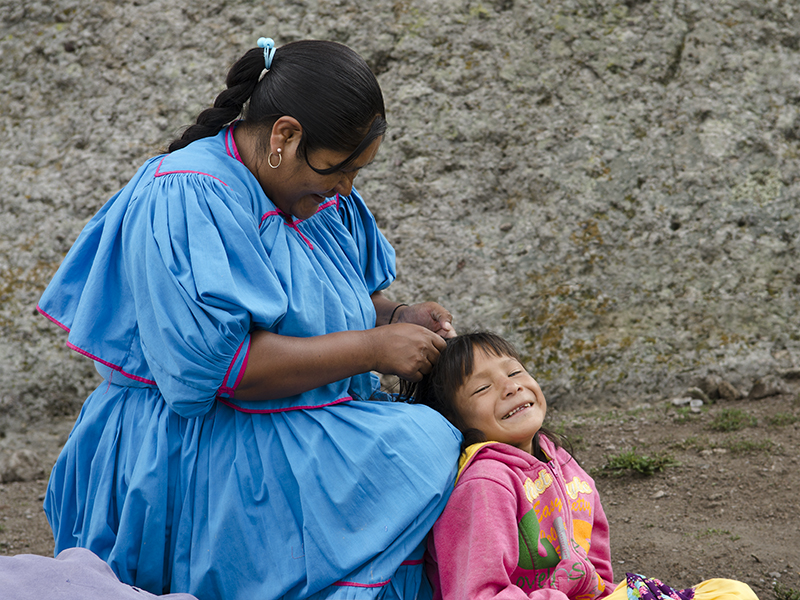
(177, 485)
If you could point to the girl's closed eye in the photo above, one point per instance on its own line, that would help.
(501, 400)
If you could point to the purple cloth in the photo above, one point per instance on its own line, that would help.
(75, 574)
(647, 588)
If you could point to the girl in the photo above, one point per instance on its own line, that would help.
(524, 519)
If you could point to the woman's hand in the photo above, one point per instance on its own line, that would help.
(407, 350)
(431, 315)
(279, 366)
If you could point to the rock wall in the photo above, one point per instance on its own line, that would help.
(612, 184)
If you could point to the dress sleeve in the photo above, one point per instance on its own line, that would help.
(375, 254)
(200, 280)
(476, 548)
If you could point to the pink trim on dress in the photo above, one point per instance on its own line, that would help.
(72, 346)
(292, 224)
(223, 389)
(64, 327)
(116, 368)
(271, 213)
(407, 563)
(232, 144)
(158, 173)
(361, 585)
(227, 147)
(279, 410)
(244, 367)
(334, 202)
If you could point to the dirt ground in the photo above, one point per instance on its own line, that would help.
(726, 504)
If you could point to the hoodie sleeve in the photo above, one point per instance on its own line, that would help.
(475, 546)
(600, 547)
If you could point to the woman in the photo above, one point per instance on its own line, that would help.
(231, 297)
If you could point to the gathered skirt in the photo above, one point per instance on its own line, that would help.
(332, 502)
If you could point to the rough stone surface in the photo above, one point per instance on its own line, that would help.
(766, 387)
(697, 394)
(21, 465)
(728, 392)
(612, 184)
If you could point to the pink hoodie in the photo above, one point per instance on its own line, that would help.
(499, 537)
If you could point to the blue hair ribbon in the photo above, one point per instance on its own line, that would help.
(269, 50)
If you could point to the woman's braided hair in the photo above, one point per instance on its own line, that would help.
(241, 81)
(325, 85)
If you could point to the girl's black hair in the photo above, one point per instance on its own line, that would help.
(456, 362)
(325, 85)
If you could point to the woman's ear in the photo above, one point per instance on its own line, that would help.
(286, 135)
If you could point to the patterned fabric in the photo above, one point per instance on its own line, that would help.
(648, 588)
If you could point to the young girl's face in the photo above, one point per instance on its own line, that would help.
(502, 400)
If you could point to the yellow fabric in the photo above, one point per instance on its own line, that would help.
(467, 455)
(711, 589)
(582, 533)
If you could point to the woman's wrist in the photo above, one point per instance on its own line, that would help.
(280, 366)
(391, 317)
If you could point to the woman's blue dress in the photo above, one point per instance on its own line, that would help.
(178, 486)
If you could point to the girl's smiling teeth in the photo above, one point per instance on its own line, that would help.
(516, 410)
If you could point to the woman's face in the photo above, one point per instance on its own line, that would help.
(501, 399)
(300, 190)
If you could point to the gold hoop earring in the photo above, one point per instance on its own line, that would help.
(280, 159)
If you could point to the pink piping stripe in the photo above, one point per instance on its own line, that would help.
(227, 148)
(72, 346)
(110, 365)
(233, 362)
(235, 154)
(244, 367)
(361, 585)
(293, 224)
(278, 410)
(224, 389)
(279, 213)
(334, 202)
(158, 173)
(375, 585)
(271, 213)
(64, 327)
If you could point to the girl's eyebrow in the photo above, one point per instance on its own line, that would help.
(507, 361)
